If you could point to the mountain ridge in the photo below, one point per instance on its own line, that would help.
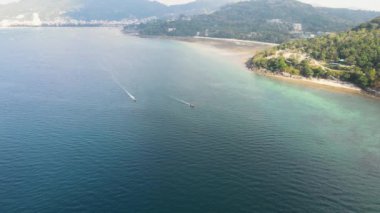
(262, 20)
(101, 10)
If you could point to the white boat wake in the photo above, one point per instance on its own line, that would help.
(127, 92)
(183, 102)
(114, 79)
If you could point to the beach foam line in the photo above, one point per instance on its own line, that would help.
(235, 40)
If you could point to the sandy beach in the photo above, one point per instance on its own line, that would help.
(238, 50)
(241, 51)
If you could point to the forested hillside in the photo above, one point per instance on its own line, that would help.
(263, 20)
(352, 56)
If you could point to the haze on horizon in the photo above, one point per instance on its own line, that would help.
(352, 4)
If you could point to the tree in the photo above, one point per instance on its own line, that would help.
(363, 81)
(306, 69)
(281, 64)
(372, 76)
(319, 72)
(307, 72)
(351, 60)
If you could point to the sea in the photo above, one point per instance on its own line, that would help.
(93, 120)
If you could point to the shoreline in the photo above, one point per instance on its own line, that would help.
(235, 40)
(331, 85)
(319, 83)
(238, 50)
(241, 51)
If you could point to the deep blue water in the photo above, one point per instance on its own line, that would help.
(71, 140)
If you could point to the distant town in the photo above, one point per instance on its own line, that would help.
(34, 20)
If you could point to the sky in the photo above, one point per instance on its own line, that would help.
(353, 4)
(171, 2)
(6, 1)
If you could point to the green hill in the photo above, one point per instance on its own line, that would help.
(352, 56)
(263, 20)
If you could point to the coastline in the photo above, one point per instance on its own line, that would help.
(238, 50)
(320, 83)
(241, 51)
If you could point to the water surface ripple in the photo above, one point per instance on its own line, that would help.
(72, 141)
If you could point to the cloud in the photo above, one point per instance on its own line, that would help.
(7, 1)
(353, 4)
(172, 2)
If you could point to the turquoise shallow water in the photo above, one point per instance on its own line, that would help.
(71, 140)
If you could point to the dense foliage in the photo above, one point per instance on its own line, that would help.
(263, 20)
(352, 56)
